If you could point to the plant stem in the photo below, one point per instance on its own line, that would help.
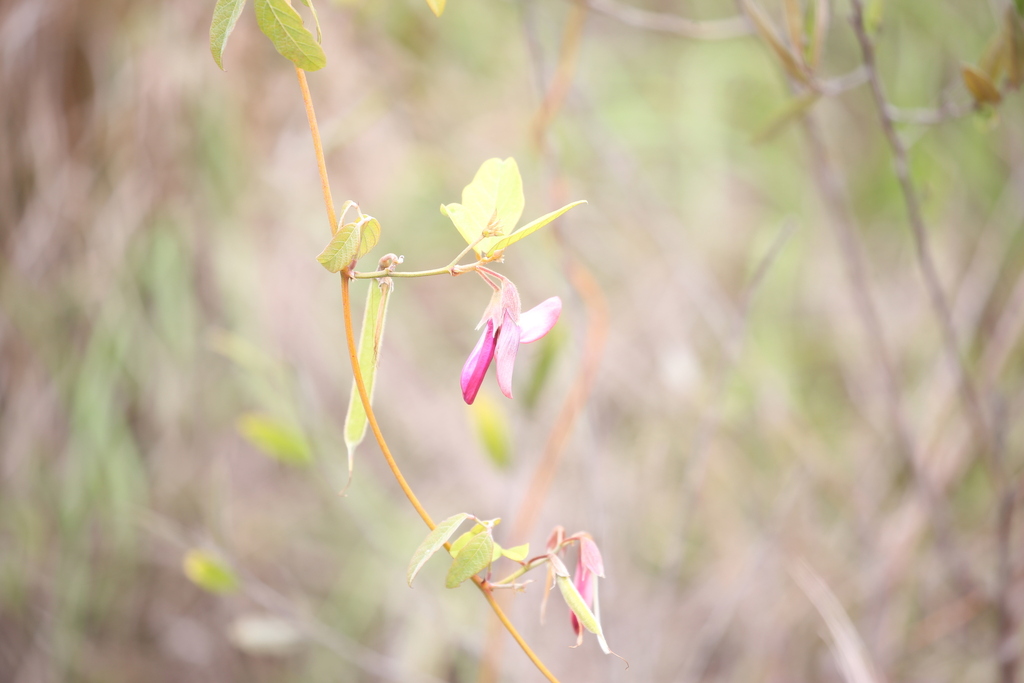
(364, 397)
(318, 148)
(346, 301)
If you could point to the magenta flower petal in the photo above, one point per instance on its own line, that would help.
(585, 582)
(538, 321)
(505, 352)
(475, 369)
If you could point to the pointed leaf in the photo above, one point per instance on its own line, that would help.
(277, 439)
(225, 16)
(492, 203)
(475, 557)
(518, 553)
(282, 24)
(208, 572)
(492, 244)
(576, 603)
(433, 542)
(374, 316)
(341, 251)
(436, 6)
(369, 235)
(982, 89)
(496, 552)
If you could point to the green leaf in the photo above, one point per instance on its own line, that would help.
(433, 542)
(225, 16)
(341, 251)
(374, 316)
(1019, 4)
(473, 558)
(277, 439)
(282, 24)
(436, 6)
(492, 203)
(316, 20)
(209, 573)
(369, 235)
(464, 539)
(518, 553)
(576, 603)
(496, 551)
(492, 429)
(492, 244)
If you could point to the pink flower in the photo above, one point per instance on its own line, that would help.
(588, 569)
(505, 328)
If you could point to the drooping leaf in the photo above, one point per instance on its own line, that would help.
(475, 557)
(225, 16)
(374, 317)
(490, 245)
(518, 553)
(436, 6)
(433, 542)
(208, 572)
(316, 20)
(578, 606)
(341, 251)
(491, 426)
(282, 24)
(278, 439)
(492, 203)
(982, 89)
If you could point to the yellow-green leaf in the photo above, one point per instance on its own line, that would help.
(316, 20)
(433, 542)
(492, 203)
(225, 16)
(279, 440)
(369, 235)
(518, 553)
(490, 245)
(374, 317)
(436, 6)
(492, 430)
(282, 24)
(982, 89)
(341, 251)
(464, 539)
(209, 573)
(475, 557)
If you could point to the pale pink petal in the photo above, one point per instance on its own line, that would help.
(538, 321)
(475, 369)
(505, 352)
(590, 556)
(585, 583)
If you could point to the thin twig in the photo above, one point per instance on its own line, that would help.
(661, 22)
(922, 247)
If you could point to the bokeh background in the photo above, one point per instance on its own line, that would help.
(173, 375)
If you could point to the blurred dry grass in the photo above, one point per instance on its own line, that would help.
(736, 462)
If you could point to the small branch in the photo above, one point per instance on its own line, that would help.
(922, 247)
(318, 147)
(946, 111)
(713, 29)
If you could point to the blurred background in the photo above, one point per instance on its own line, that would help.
(789, 474)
